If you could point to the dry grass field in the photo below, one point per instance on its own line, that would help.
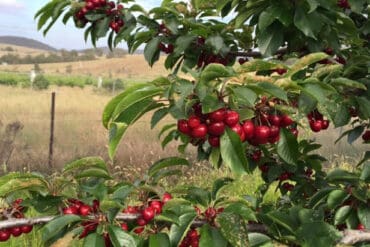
(78, 129)
(19, 50)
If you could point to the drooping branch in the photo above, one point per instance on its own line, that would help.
(348, 236)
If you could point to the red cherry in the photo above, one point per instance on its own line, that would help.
(15, 231)
(200, 131)
(85, 210)
(96, 206)
(248, 128)
(194, 122)
(89, 5)
(217, 116)
(166, 197)
(214, 141)
(281, 71)
(316, 126)
(288, 186)
(139, 230)
(232, 118)
(262, 133)
(274, 131)
(325, 124)
(256, 156)
(366, 136)
(124, 227)
(148, 214)
(194, 243)
(210, 213)
(103, 2)
(294, 131)
(216, 129)
(273, 140)
(119, 7)
(4, 235)
(156, 206)
(170, 48)
(70, 210)
(183, 126)
(360, 227)
(264, 168)
(141, 222)
(130, 210)
(275, 120)
(237, 128)
(26, 228)
(286, 121)
(284, 176)
(112, 4)
(107, 241)
(241, 61)
(329, 51)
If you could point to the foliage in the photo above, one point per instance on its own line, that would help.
(313, 71)
(40, 82)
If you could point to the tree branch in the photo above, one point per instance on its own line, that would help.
(349, 236)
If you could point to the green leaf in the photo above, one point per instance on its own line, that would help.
(306, 61)
(216, 42)
(364, 159)
(341, 214)
(233, 228)
(345, 82)
(178, 232)
(365, 174)
(120, 238)
(364, 104)
(214, 71)
(283, 220)
(339, 175)
(259, 65)
(242, 209)
(273, 90)
(13, 182)
(122, 192)
(218, 185)
(94, 240)
(211, 237)
(320, 196)
(258, 239)
(287, 148)
(52, 228)
(159, 240)
(116, 132)
(215, 157)
(270, 39)
(352, 134)
(93, 173)
(102, 27)
(342, 116)
(84, 163)
(337, 198)
(151, 51)
(309, 23)
(165, 163)
(232, 152)
(317, 234)
(158, 116)
(364, 216)
(182, 43)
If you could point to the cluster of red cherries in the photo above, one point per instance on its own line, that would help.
(77, 207)
(191, 239)
(317, 121)
(110, 9)
(263, 129)
(15, 211)
(366, 136)
(146, 213)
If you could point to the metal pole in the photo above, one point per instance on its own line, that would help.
(51, 143)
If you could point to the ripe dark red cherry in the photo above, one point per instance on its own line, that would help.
(193, 122)
(360, 227)
(286, 121)
(84, 210)
(325, 124)
(214, 141)
(232, 118)
(156, 206)
(4, 235)
(275, 120)
(216, 128)
(200, 131)
(248, 128)
(316, 126)
(15, 231)
(366, 136)
(262, 133)
(166, 197)
(148, 214)
(237, 128)
(26, 228)
(274, 131)
(70, 210)
(141, 222)
(124, 227)
(139, 230)
(183, 126)
(217, 116)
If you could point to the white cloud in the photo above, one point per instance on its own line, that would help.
(6, 4)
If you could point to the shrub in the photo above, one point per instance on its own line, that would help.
(40, 82)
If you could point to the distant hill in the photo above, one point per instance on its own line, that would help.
(25, 42)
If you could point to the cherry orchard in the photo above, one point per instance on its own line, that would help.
(244, 103)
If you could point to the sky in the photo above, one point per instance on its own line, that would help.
(16, 19)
